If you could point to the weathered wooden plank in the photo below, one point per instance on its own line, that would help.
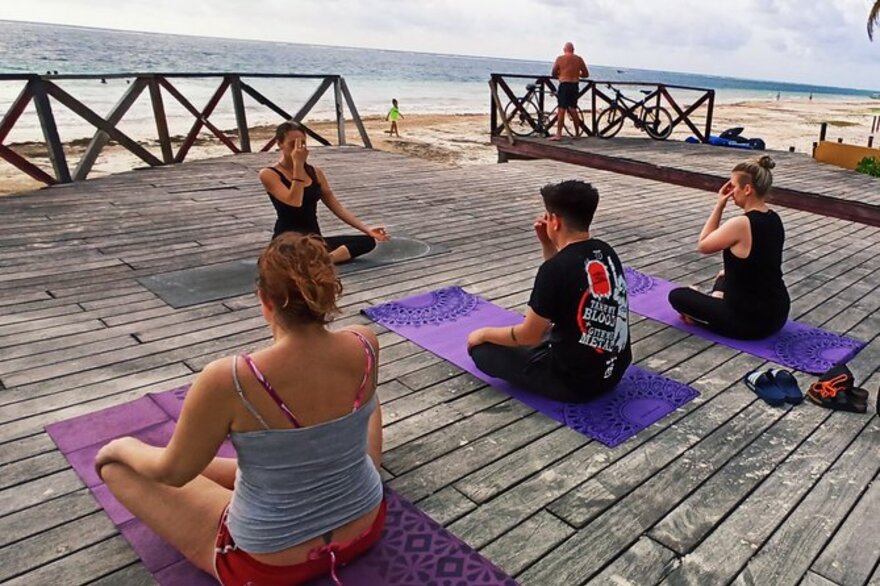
(725, 551)
(529, 541)
(446, 505)
(428, 478)
(687, 524)
(83, 566)
(646, 562)
(849, 558)
(787, 556)
(34, 552)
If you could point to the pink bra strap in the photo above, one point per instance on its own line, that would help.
(272, 393)
(371, 363)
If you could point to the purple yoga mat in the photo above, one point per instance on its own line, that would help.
(796, 346)
(441, 320)
(414, 549)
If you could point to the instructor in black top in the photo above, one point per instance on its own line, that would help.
(295, 187)
(579, 299)
(749, 300)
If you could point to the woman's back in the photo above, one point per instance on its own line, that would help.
(303, 463)
(758, 276)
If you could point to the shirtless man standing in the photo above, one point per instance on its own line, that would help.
(568, 68)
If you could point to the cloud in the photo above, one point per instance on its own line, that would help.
(772, 39)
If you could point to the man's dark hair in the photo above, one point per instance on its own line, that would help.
(574, 201)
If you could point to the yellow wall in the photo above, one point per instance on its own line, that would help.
(843, 155)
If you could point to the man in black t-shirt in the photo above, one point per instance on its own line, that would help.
(579, 299)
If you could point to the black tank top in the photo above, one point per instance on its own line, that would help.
(754, 285)
(303, 219)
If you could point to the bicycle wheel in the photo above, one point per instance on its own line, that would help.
(658, 122)
(609, 122)
(520, 125)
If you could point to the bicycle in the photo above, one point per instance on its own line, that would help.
(524, 114)
(655, 120)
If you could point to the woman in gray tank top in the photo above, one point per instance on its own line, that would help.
(304, 493)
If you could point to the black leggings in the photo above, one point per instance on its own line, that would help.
(530, 369)
(356, 245)
(718, 315)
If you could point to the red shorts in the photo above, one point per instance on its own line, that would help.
(234, 567)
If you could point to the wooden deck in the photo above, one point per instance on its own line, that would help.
(799, 181)
(724, 490)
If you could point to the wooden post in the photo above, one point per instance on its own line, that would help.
(815, 145)
(823, 131)
(161, 120)
(244, 137)
(50, 131)
(791, 149)
(839, 141)
(355, 115)
(497, 104)
(709, 114)
(871, 141)
(15, 111)
(101, 138)
(340, 112)
(493, 113)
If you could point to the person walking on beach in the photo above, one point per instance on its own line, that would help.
(295, 187)
(749, 299)
(393, 115)
(568, 68)
(574, 342)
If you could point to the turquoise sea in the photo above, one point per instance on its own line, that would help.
(422, 82)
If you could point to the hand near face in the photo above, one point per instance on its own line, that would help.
(300, 152)
(540, 226)
(379, 233)
(725, 194)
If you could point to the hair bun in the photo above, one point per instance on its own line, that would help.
(767, 162)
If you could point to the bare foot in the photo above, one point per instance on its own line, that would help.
(686, 319)
(555, 138)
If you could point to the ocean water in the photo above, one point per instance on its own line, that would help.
(422, 82)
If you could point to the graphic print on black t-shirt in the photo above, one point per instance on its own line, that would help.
(603, 312)
(582, 291)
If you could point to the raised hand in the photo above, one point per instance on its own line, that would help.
(725, 194)
(540, 226)
(300, 152)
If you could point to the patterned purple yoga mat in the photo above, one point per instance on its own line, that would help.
(441, 320)
(414, 549)
(796, 346)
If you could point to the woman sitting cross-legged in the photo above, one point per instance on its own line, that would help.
(304, 493)
(295, 187)
(749, 299)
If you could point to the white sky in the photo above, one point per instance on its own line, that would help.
(821, 41)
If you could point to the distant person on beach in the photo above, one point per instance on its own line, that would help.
(569, 68)
(304, 495)
(574, 342)
(295, 188)
(393, 115)
(749, 299)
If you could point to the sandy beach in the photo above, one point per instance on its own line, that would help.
(462, 139)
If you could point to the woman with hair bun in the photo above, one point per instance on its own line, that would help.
(749, 299)
(295, 188)
(304, 494)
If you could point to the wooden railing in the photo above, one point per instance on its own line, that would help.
(536, 109)
(39, 88)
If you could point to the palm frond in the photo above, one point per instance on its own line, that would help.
(873, 19)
